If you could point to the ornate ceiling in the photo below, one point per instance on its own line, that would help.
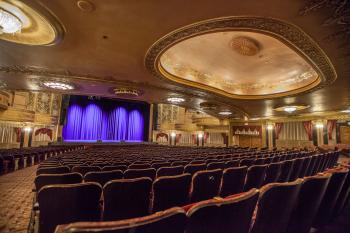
(285, 53)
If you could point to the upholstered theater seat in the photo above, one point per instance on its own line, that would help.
(139, 166)
(50, 179)
(205, 185)
(137, 173)
(304, 167)
(246, 162)
(229, 215)
(62, 204)
(159, 165)
(216, 165)
(310, 169)
(329, 200)
(115, 167)
(273, 172)
(85, 169)
(311, 194)
(170, 171)
(126, 198)
(298, 164)
(169, 221)
(53, 170)
(233, 180)
(343, 196)
(179, 163)
(255, 177)
(287, 168)
(193, 168)
(102, 177)
(275, 205)
(171, 191)
(232, 163)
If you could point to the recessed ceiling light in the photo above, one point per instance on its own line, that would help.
(9, 23)
(175, 100)
(225, 113)
(58, 85)
(346, 111)
(289, 109)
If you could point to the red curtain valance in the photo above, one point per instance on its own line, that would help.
(278, 129)
(330, 127)
(44, 131)
(160, 135)
(308, 128)
(18, 133)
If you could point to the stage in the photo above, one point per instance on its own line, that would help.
(104, 142)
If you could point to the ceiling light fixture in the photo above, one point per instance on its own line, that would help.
(175, 100)
(58, 85)
(9, 23)
(290, 109)
(225, 113)
(346, 111)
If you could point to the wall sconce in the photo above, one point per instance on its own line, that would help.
(269, 127)
(173, 134)
(27, 129)
(200, 135)
(319, 125)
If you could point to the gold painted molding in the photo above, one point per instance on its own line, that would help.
(287, 33)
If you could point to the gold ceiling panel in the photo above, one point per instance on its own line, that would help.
(241, 57)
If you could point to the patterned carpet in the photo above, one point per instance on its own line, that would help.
(16, 200)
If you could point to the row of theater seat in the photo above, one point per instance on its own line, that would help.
(11, 159)
(205, 184)
(280, 207)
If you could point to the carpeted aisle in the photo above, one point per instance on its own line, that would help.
(16, 200)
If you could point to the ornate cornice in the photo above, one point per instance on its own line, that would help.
(287, 33)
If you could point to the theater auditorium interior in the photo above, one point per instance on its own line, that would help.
(174, 116)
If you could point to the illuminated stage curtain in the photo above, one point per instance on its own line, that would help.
(293, 131)
(97, 122)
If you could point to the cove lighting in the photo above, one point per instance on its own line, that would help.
(58, 85)
(175, 99)
(225, 113)
(346, 111)
(290, 109)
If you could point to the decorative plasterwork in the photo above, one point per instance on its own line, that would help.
(340, 15)
(287, 33)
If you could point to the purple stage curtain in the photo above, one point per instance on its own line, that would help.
(92, 122)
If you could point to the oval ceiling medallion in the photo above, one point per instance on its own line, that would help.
(241, 57)
(35, 25)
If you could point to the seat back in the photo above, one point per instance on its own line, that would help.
(335, 185)
(275, 205)
(343, 196)
(169, 221)
(286, 170)
(126, 198)
(139, 166)
(115, 167)
(179, 163)
(53, 170)
(205, 184)
(305, 167)
(255, 177)
(162, 164)
(51, 179)
(170, 171)
(193, 168)
(298, 164)
(216, 165)
(246, 162)
(273, 172)
(232, 163)
(229, 215)
(103, 177)
(61, 204)
(311, 194)
(233, 181)
(312, 164)
(171, 191)
(137, 173)
(85, 169)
